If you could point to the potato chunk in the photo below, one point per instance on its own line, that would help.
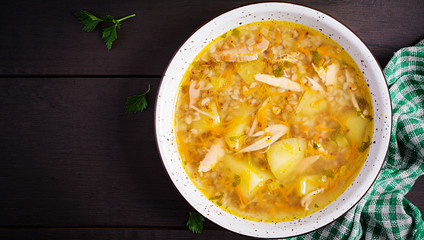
(247, 70)
(311, 183)
(235, 132)
(312, 103)
(356, 126)
(284, 155)
(251, 176)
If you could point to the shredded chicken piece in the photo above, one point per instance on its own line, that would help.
(349, 77)
(355, 103)
(216, 152)
(243, 53)
(281, 82)
(293, 58)
(331, 75)
(270, 129)
(315, 85)
(273, 133)
(320, 71)
(214, 118)
(254, 125)
(306, 200)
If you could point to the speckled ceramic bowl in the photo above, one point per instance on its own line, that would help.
(286, 12)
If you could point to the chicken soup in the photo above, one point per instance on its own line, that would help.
(273, 121)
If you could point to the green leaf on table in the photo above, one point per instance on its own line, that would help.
(109, 34)
(89, 20)
(137, 103)
(195, 222)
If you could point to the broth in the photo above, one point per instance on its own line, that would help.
(273, 121)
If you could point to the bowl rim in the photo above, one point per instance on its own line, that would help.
(283, 3)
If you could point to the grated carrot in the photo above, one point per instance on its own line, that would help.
(338, 121)
(305, 51)
(248, 92)
(240, 195)
(261, 115)
(228, 75)
(290, 190)
(303, 128)
(325, 50)
(316, 137)
(316, 102)
(283, 194)
(278, 40)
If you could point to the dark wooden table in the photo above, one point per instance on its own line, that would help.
(73, 164)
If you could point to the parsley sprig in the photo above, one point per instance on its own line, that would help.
(195, 222)
(109, 34)
(137, 103)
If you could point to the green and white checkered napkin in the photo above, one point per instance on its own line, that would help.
(384, 213)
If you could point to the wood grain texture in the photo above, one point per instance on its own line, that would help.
(74, 165)
(71, 156)
(45, 38)
(115, 234)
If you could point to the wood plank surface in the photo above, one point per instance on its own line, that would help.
(74, 165)
(115, 234)
(73, 157)
(44, 37)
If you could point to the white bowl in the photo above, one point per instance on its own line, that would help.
(286, 12)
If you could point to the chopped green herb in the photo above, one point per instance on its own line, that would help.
(316, 205)
(329, 173)
(217, 197)
(90, 22)
(236, 180)
(195, 222)
(365, 145)
(224, 35)
(315, 146)
(315, 57)
(335, 134)
(196, 65)
(235, 138)
(219, 203)
(281, 186)
(235, 32)
(360, 113)
(369, 117)
(137, 103)
(278, 72)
